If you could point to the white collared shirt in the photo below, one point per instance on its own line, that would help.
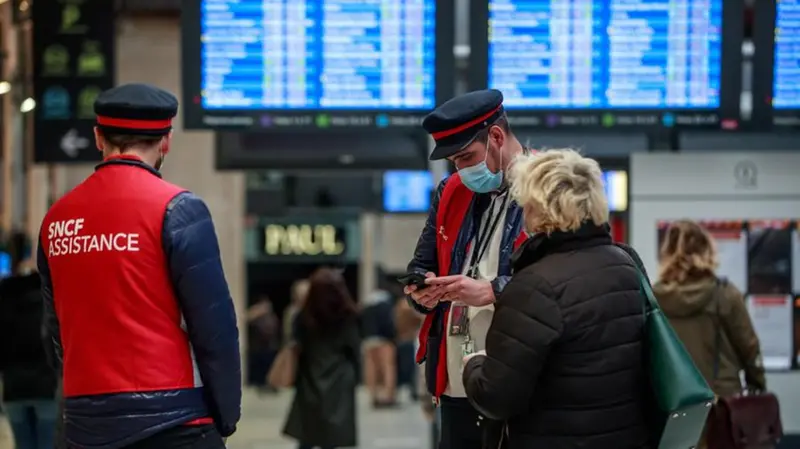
(479, 317)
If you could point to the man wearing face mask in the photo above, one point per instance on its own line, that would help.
(139, 320)
(464, 251)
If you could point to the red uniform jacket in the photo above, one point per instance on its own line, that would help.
(454, 227)
(121, 331)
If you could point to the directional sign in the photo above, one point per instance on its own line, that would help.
(73, 53)
(72, 143)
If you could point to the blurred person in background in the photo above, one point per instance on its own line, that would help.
(323, 412)
(296, 302)
(407, 321)
(29, 393)
(701, 306)
(138, 314)
(564, 365)
(6, 436)
(379, 351)
(265, 334)
(464, 251)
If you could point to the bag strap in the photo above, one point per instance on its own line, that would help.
(721, 282)
(650, 302)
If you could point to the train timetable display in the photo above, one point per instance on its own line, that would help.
(606, 54)
(293, 57)
(786, 67)
(620, 56)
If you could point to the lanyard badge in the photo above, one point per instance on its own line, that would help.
(468, 347)
(459, 320)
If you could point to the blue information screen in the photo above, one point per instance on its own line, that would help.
(606, 54)
(786, 69)
(5, 264)
(318, 54)
(407, 191)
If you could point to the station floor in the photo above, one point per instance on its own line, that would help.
(406, 428)
(263, 418)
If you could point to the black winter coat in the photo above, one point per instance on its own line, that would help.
(564, 364)
(23, 360)
(323, 413)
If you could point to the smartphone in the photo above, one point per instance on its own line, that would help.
(417, 279)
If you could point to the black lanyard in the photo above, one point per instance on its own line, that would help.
(483, 237)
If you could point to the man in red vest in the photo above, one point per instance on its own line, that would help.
(465, 252)
(138, 314)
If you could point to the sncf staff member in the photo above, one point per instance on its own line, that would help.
(465, 250)
(137, 307)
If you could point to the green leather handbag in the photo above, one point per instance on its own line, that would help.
(682, 398)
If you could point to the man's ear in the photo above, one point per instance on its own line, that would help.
(497, 135)
(99, 141)
(165, 143)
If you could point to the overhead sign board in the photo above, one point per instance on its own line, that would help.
(304, 240)
(326, 238)
(73, 61)
(617, 65)
(322, 65)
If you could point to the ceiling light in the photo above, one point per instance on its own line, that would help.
(27, 105)
(5, 86)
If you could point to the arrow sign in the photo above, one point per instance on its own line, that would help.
(72, 143)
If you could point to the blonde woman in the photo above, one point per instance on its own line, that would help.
(563, 365)
(699, 306)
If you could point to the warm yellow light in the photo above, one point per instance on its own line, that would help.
(27, 105)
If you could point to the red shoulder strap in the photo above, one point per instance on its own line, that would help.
(520, 238)
(453, 206)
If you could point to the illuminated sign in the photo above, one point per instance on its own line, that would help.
(304, 240)
(322, 64)
(601, 64)
(616, 187)
(407, 191)
(73, 61)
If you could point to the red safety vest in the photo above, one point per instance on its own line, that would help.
(453, 206)
(121, 325)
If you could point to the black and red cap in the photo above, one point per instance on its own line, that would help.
(457, 122)
(139, 109)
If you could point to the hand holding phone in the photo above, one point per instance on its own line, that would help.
(415, 279)
(419, 291)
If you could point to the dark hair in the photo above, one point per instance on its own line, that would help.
(502, 122)
(127, 141)
(328, 303)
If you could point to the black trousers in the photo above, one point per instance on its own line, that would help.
(461, 426)
(183, 437)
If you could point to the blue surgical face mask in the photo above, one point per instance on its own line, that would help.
(479, 178)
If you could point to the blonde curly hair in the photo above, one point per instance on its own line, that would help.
(688, 253)
(558, 190)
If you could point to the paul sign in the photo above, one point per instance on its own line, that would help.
(303, 240)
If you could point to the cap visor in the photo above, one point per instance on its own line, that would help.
(444, 151)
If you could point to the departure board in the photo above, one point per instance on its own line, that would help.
(407, 191)
(612, 59)
(310, 61)
(786, 66)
